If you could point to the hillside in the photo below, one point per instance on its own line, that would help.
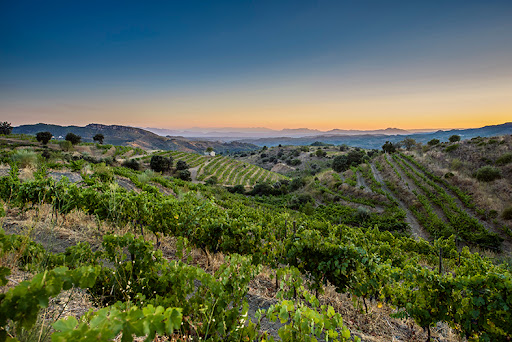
(371, 141)
(367, 249)
(132, 136)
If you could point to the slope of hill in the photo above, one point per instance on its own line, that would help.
(377, 140)
(132, 136)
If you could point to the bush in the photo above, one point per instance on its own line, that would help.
(65, 145)
(237, 189)
(181, 165)
(507, 213)
(294, 162)
(160, 163)
(132, 164)
(44, 137)
(73, 138)
(99, 138)
(451, 148)
(296, 184)
(25, 158)
(184, 175)
(504, 159)
(5, 128)
(104, 173)
(212, 180)
(46, 154)
(389, 147)
(320, 153)
(487, 174)
(433, 142)
(454, 138)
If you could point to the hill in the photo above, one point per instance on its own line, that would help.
(367, 249)
(132, 136)
(377, 140)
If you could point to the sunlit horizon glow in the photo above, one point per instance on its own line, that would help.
(302, 65)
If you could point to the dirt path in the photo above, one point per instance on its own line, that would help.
(193, 173)
(416, 229)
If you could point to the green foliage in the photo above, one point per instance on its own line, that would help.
(433, 142)
(44, 137)
(507, 213)
(25, 158)
(181, 165)
(160, 163)
(5, 128)
(487, 174)
(65, 145)
(99, 138)
(451, 148)
(389, 147)
(132, 164)
(320, 153)
(184, 175)
(73, 138)
(454, 138)
(504, 159)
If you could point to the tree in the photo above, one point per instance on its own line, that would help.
(433, 142)
(99, 138)
(454, 138)
(320, 153)
(389, 147)
(160, 163)
(181, 165)
(409, 143)
(5, 128)
(184, 175)
(340, 163)
(44, 137)
(209, 149)
(73, 138)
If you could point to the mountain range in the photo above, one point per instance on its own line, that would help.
(133, 136)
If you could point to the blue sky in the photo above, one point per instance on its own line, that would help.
(256, 63)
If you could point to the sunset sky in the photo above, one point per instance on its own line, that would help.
(275, 64)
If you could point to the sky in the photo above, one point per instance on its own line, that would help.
(276, 64)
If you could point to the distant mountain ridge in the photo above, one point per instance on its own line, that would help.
(232, 133)
(133, 136)
(377, 140)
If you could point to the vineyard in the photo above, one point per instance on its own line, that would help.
(225, 170)
(346, 232)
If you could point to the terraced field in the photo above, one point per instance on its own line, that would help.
(227, 170)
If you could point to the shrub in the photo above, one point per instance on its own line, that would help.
(46, 154)
(212, 180)
(104, 173)
(99, 138)
(454, 138)
(132, 164)
(507, 213)
(433, 142)
(487, 174)
(448, 175)
(25, 158)
(73, 138)
(160, 163)
(237, 189)
(320, 153)
(181, 165)
(184, 175)
(451, 148)
(504, 159)
(65, 145)
(44, 137)
(5, 128)
(389, 147)
(294, 162)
